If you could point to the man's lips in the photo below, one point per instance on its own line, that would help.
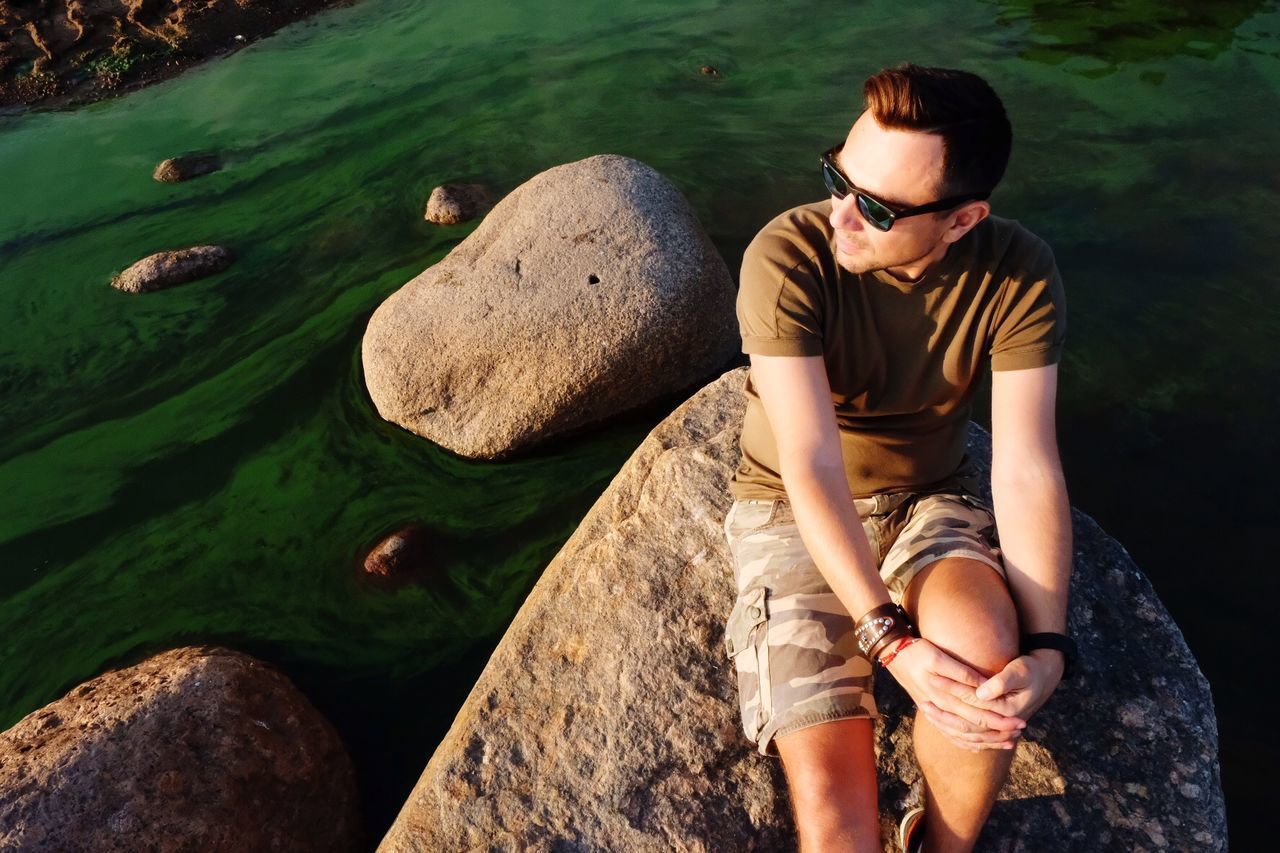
(845, 245)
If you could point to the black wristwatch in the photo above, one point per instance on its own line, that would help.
(1057, 642)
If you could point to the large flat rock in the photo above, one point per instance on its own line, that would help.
(607, 717)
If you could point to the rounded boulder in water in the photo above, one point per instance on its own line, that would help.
(587, 292)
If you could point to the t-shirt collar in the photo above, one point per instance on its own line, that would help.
(942, 271)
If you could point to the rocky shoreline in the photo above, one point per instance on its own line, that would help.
(60, 53)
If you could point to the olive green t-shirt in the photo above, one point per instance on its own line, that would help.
(903, 359)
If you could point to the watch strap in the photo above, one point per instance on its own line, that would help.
(1057, 642)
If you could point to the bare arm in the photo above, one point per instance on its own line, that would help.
(1033, 514)
(1034, 520)
(797, 401)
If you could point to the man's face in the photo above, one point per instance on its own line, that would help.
(901, 168)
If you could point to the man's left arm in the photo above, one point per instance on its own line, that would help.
(1033, 517)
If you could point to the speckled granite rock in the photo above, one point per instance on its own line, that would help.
(588, 291)
(607, 717)
(166, 269)
(197, 748)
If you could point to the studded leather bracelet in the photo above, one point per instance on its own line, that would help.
(881, 626)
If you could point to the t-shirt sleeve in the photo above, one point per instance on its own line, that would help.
(1030, 326)
(779, 303)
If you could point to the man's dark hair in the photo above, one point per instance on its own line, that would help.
(956, 105)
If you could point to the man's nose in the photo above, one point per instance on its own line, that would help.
(844, 214)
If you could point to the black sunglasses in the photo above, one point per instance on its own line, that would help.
(880, 215)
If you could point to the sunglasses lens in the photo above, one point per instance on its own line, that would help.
(875, 213)
(835, 184)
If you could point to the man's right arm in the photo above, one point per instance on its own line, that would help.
(796, 396)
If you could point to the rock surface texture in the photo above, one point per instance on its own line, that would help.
(167, 269)
(588, 291)
(450, 204)
(197, 748)
(607, 717)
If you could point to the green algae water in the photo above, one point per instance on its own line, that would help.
(204, 465)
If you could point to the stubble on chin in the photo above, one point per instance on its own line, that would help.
(856, 264)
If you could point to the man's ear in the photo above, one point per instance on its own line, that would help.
(963, 218)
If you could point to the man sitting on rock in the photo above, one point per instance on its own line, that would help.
(857, 532)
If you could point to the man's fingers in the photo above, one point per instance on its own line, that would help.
(980, 717)
(947, 721)
(962, 728)
(1014, 676)
(949, 667)
(1013, 682)
(959, 729)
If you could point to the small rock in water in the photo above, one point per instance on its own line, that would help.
(709, 70)
(166, 269)
(400, 557)
(183, 168)
(450, 204)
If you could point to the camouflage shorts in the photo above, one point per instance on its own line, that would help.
(791, 639)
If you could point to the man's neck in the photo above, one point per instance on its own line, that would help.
(912, 272)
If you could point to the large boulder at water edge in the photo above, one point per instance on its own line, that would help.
(166, 269)
(192, 749)
(589, 290)
(607, 717)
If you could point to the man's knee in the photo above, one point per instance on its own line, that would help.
(963, 606)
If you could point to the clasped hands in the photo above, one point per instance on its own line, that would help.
(975, 712)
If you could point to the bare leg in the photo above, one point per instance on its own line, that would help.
(962, 606)
(831, 773)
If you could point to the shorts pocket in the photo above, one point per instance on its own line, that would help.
(746, 642)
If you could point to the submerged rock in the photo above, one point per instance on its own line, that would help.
(450, 204)
(198, 748)
(177, 169)
(588, 291)
(166, 269)
(607, 718)
(402, 556)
